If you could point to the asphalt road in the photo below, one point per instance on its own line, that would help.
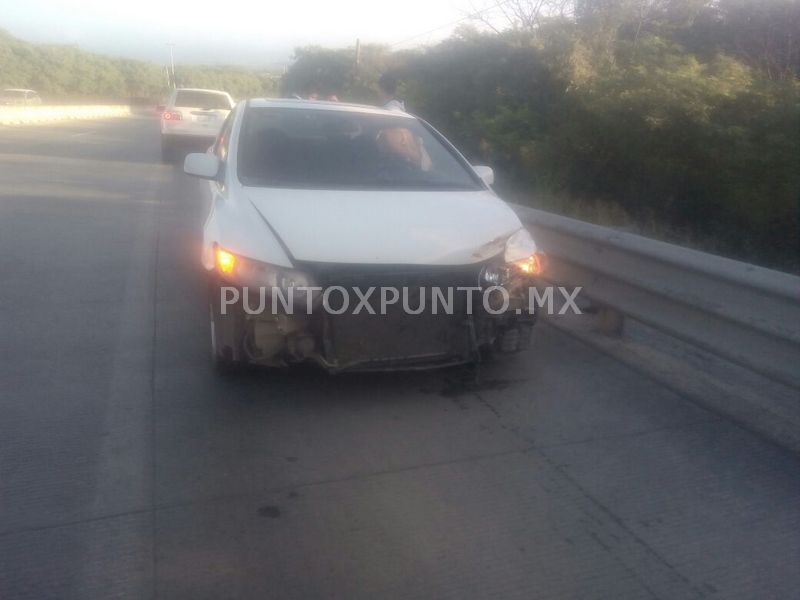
(129, 470)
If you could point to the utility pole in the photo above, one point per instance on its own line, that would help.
(358, 56)
(172, 63)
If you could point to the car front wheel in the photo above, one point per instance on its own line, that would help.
(226, 332)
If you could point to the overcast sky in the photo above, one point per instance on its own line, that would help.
(229, 31)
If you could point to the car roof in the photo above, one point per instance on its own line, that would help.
(18, 90)
(202, 90)
(323, 105)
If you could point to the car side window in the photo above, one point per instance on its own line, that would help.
(224, 138)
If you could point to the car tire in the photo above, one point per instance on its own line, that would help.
(226, 333)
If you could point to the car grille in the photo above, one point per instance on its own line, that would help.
(397, 339)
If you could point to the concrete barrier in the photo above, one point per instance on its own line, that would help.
(29, 115)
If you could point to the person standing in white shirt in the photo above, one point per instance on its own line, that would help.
(387, 87)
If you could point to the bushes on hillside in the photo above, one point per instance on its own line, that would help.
(66, 73)
(702, 147)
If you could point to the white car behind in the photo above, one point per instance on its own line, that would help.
(192, 116)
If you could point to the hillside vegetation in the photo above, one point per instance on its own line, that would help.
(68, 74)
(675, 118)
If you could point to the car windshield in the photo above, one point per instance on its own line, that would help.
(335, 149)
(14, 94)
(202, 99)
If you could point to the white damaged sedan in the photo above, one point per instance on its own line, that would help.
(358, 239)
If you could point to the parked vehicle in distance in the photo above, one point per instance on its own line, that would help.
(310, 197)
(192, 115)
(20, 97)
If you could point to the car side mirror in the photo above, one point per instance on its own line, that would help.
(203, 165)
(485, 173)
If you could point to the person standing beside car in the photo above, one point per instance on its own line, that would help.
(387, 87)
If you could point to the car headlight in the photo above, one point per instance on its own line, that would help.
(519, 246)
(520, 258)
(522, 254)
(247, 272)
(292, 278)
(494, 275)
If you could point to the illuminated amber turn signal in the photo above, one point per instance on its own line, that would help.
(225, 261)
(533, 265)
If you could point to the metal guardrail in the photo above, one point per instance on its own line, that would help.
(746, 314)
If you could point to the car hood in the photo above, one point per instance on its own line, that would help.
(394, 227)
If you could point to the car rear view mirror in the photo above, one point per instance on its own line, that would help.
(203, 165)
(485, 173)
